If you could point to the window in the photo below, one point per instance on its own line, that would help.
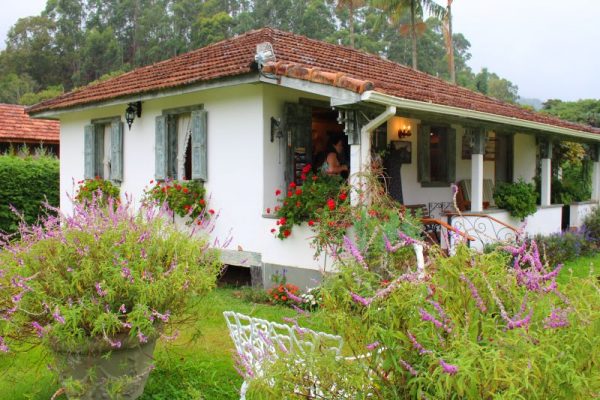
(436, 155)
(103, 150)
(181, 145)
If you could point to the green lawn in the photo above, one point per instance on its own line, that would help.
(580, 268)
(184, 370)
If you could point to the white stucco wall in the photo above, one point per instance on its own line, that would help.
(244, 167)
(525, 157)
(578, 212)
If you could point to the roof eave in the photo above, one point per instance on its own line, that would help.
(173, 91)
(386, 99)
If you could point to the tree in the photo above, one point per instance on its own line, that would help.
(13, 87)
(101, 54)
(396, 9)
(581, 111)
(449, 42)
(350, 6)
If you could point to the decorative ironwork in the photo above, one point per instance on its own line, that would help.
(484, 228)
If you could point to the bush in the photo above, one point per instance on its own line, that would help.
(472, 329)
(518, 198)
(565, 246)
(102, 276)
(98, 189)
(27, 182)
(591, 227)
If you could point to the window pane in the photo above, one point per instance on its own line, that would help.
(438, 154)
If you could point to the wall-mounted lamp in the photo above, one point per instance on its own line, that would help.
(133, 110)
(275, 129)
(404, 131)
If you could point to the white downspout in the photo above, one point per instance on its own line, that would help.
(360, 154)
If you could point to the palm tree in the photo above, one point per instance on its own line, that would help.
(395, 9)
(351, 5)
(448, 39)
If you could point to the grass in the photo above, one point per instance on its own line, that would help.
(186, 369)
(579, 268)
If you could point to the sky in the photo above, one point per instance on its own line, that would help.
(548, 48)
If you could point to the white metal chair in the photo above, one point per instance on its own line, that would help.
(258, 343)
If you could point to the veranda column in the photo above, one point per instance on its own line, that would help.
(546, 171)
(479, 138)
(595, 153)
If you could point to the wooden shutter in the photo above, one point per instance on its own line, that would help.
(89, 152)
(172, 139)
(423, 153)
(200, 145)
(451, 155)
(116, 151)
(160, 148)
(297, 133)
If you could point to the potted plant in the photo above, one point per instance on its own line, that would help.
(100, 188)
(97, 288)
(185, 198)
(518, 198)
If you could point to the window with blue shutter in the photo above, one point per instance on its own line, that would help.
(436, 155)
(103, 149)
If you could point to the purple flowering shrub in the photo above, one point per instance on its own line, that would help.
(477, 326)
(109, 275)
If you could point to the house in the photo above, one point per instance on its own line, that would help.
(17, 129)
(212, 115)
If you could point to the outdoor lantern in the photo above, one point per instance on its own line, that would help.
(404, 131)
(133, 110)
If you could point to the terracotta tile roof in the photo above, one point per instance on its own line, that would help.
(17, 127)
(303, 58)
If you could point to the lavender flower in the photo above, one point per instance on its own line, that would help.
(122, 309)
(512, 324)
(448, 368)
(360, 300)
(3, 346)
(293, 297)
(474, 293)
(56, 315)
(418, 346)
(408, 367)
(388, 245)
(373, 346)
(141, 337)
(99, 290)
(351, 247)
(126, 273)
(558, 318)
(38, 329)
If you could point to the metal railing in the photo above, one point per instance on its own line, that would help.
(484, 228)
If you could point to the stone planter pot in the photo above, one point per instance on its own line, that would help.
(98, 372)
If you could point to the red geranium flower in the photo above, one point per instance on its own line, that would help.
(286, 233)
(298, 192)
(273, 230)
(306, 169)
(202, 202)
(292, 185)
(314, 177)
(331, 204)
(290, 194)
(268, 211)
(303, 177)
(298, 204)
(277, 192)
(211, 211)
(185, 190)
(311, 222)
(343, 196)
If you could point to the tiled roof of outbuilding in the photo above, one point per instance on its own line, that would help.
(16, 126)
(360, 71)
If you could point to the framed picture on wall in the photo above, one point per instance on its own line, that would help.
(403, 150)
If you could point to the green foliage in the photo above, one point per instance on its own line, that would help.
(27, 182)
(582, 111)
(591, 226)
(50, 92)
(518, 198)
(98, 190)
(565, 246)
(471, 330)
(101, 277)
(185, 198)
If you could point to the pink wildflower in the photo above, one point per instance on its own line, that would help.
(558, 318)
(122, 309)
(418, 346)
(360, 300)
(448, 368)
(474, 293)
(3, 346)
(141, 337)
(56, 315)
(39, 331)
(408, 367)
(99, 290)
(373, 346)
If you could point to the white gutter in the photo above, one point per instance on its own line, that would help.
(387, 100)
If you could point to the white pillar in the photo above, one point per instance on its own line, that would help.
(546, 181)
(596, 181)
(476, 182)
(354, 171)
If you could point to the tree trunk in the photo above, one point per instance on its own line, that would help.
(413, 34)
(351, 22)
(451, 66)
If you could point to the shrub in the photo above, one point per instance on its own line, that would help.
(591, 226)
(99, 189)
(472, 329)
(27, 182)
(283, 293)
(518, 198)
(101, 275)
(564, 246)
(185, 198)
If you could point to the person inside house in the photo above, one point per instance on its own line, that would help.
(331, 160)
